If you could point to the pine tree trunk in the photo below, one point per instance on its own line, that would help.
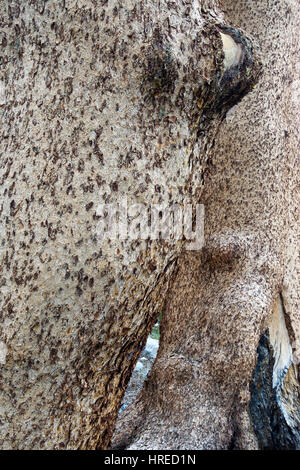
(99, 100)
(226, 372)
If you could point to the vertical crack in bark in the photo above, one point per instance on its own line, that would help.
(275, 405)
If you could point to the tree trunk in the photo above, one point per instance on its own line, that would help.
(99, 100)
(226, 372)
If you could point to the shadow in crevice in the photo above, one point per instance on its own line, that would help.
(269, 423)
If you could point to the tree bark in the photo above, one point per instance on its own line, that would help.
(226, 372)
(99, 100)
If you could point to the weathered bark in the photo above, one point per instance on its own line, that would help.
(208, 388)
(99, 99)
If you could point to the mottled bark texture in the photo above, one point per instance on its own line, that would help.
(226, 372)
(99, 100)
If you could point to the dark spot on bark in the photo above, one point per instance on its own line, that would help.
(81, 165)
(89, 206)
(53, 355)
(12, 208)
(114, 186)
(79, 291)
(68, 86)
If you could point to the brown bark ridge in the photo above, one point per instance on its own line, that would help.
(99, 100)
(226, 372)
